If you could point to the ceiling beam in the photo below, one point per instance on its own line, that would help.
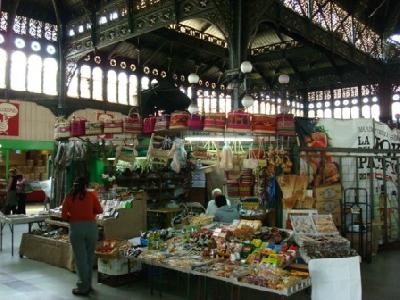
(188, 41)
(296, 52)
(392, 20)
(297, 27)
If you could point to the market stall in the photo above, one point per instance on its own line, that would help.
(245, 254)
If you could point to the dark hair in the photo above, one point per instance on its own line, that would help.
(79, 188)
(220, 201)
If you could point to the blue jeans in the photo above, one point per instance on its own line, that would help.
(83, 237)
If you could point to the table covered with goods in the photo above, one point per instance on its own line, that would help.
(245, 254)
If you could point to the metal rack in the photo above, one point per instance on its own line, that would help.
(357, 221)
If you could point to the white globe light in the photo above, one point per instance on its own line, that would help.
(246, 67)
(193, 108)
(247, 101)
(193, 78)
(283, 79)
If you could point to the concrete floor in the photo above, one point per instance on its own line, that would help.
(28, 279)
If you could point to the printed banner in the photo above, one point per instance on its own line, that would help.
(9, 118)
(372, 171)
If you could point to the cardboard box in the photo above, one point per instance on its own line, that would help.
(329, 192)
(118, 266)
(130, 223)
(328, 201)
(50, 251)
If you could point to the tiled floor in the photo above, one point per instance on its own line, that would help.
(28, 279)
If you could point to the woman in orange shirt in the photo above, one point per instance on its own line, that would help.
(80, 208)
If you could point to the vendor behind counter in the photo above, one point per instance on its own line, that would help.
(225, 213)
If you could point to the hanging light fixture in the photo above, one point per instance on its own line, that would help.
(247, 101)
(246, 67)
(283, 79)
(193, 78)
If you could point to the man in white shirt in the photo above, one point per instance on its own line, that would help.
(212, 207)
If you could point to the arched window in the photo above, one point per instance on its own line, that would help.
(355, 112)
(35, 73)
(328, 113)
(97, 83)
(320, 113)
(346, 113)
(268, 108)
(133, 99)
(272, 109)
(73, 85)
(3, 63)
(18, 71)
(206, 100)
(145, 81)
(228, 103)
(122, 88)
(50, 69)
(200, 101)
(337, 113)
(213, 102)
(311, 113)
(366, 111)
(375, 112)
(395, 109)
(221, 103)
(112, 86)
(255, 107)
(86, 78)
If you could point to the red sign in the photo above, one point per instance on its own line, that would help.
(9, 118)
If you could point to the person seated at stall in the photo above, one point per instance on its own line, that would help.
(225, 213)
(211, 206)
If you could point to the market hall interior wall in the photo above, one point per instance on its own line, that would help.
(36, 123)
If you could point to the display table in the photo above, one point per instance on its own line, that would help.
(274, 294)
(12, 220)
(53, 252)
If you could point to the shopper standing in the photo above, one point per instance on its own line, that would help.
(11, 205)
(80, 208)
(21, 194)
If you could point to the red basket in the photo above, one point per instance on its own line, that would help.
(238, 121)
(78, 126)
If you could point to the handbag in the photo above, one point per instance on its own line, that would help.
(148, 124)
(214, 122)
(162, 123)
(62, 129)
(179, 120)
(133, 122)
(238, 121)
(263, 124)
(78, 126)
(113, 126)
(196, 122)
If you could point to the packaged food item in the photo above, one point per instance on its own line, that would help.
(303, 224)
(324, 224)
